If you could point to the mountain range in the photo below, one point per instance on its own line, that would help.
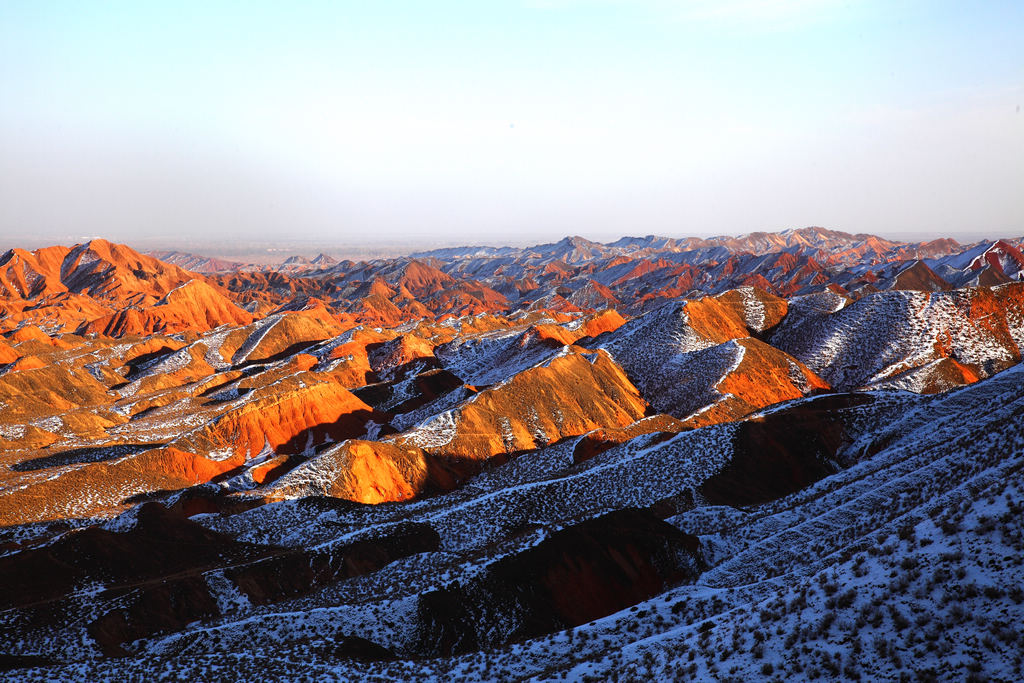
(790, 455)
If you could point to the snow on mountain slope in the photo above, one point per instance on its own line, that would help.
(490, 358)
(197, 263)
(882, 336)
(341, 483)
(568, 395)
(672, 356)
(905, 558)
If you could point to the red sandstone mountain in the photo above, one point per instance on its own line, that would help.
(530, 425)
(110, 289)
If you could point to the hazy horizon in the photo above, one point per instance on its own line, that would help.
(509, 122)
(276, 251)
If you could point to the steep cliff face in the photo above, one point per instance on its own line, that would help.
(287, 416)
(784, 451)
(581, 573)
(364, 472)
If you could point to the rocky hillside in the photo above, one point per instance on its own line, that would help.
(495, 464)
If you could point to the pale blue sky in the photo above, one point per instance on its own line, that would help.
(510, 121)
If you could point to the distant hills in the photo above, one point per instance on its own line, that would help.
(92, 286)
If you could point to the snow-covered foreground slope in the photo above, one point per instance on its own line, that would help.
(890, 543)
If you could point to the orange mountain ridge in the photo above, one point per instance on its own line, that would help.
(411, 383)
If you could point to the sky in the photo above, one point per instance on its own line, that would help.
(509, 121)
